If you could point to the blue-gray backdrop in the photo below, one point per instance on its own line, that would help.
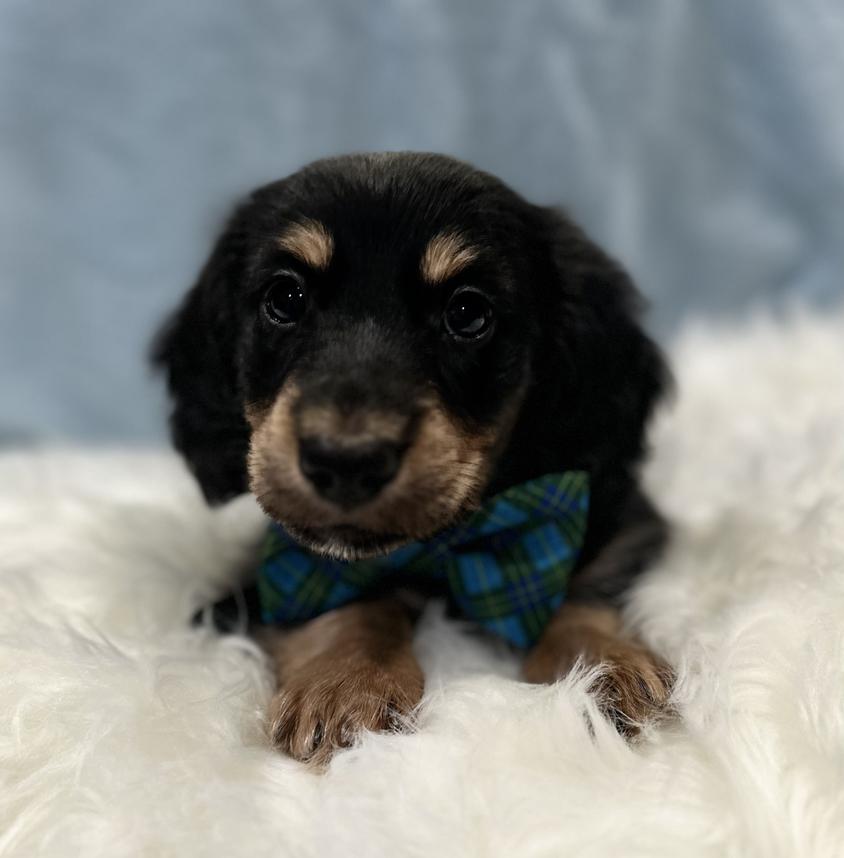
(701, 142)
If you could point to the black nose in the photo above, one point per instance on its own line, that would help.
(348, 475)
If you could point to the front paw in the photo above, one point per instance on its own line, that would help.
(325, 703)
(633, 687)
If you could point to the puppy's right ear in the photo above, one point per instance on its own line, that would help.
(197, 350)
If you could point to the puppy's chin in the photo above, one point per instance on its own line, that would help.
(347, 542)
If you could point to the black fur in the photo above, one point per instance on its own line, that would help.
(567, 328)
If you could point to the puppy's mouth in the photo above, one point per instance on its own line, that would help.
(347, 542)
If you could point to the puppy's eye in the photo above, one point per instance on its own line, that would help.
(285, 300)
(468, 315)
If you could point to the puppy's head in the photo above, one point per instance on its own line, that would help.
(378, 341)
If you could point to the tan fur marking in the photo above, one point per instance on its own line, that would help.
(356, 427)
(255, 413)
(635, 684)
(442, 475)
(446, 255)
(349, 670)
(309, 241)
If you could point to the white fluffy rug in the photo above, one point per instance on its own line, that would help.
(124, 732)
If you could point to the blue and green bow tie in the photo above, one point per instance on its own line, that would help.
(506, 567)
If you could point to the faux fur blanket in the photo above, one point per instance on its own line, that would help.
(123, 732)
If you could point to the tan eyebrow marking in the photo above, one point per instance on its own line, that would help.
(447, 254)
(309, 241)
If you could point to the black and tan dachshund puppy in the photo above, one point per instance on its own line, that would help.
(376, 345)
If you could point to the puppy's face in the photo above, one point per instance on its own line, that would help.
(386, 345)
(379, 330)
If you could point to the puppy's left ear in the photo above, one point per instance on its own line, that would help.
(197, 349)
(606, 374)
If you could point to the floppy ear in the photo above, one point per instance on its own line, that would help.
(197, 349)
(605, 374)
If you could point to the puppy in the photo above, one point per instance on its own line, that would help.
(377, 344)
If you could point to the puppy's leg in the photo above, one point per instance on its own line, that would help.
(636, 683)
(349, 670)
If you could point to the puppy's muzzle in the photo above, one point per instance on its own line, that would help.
(349, 473)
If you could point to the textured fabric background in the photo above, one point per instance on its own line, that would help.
(703, 143)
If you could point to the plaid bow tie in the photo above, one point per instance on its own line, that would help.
(506, 567)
